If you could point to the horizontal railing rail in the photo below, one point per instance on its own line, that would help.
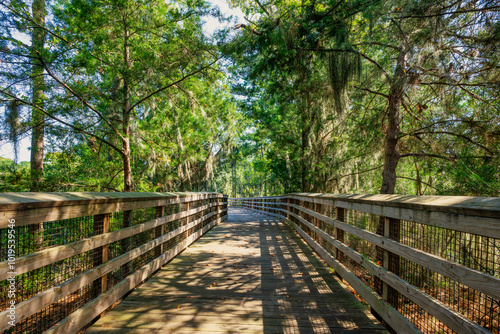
(425, 264)
(67, 257)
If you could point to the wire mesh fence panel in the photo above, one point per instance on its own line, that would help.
(436, 236)
(65, 264)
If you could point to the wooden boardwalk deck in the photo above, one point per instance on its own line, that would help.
(249, 274)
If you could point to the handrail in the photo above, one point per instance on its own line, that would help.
(89, 249)
(433, 255)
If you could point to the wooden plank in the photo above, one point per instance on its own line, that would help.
(26, 200)
(458, 205)
(100, 256)
(475, 279)
(476, 215)
(33, 213)
(478, 280)
(387, 312)
(448, 316)
(271, 281)
(82, 316)
(47, 256)
(159, 231)
(50, 296)
(461, 205)
(395, 319)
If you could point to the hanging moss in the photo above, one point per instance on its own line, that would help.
(343, 67)
(13, 124)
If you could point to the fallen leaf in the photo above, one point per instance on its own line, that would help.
(179, 306)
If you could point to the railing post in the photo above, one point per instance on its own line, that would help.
(393, 227)
(389, 228)
(340, 233)
(385, 260)
(100, 254)
(160, 230)
(125, 243)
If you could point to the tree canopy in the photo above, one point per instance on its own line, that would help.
(356, 96)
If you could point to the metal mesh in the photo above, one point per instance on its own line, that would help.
(474, 251)
(41, 236)
(477, 252)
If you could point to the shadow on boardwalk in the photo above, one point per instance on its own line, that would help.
(250, 274)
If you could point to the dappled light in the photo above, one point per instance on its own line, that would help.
(261, 278)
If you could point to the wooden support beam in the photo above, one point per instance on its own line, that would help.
(160, 230)
(100, 254)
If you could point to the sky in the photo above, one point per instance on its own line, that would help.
(212, 24)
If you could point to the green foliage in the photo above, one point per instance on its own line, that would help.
(137, 83)
(298, 63)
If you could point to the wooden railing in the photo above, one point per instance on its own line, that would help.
(67, 257)
(426, 264)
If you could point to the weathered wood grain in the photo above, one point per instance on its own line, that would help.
(50, 255)
(448, 316)
(50, 296)
(33, 208)
(475, 279)
(252, 274)
(84, 315)
(476, 215)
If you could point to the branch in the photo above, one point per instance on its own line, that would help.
(371, 91)
(172, 84)
(424, 155)
(33, 21)
(364, 171)
(79, 130)
(85, 102)
(241, 25)
(450, 13)
(408, 109)
(329, 12)
(440, 122)
(107, 184)
(346, 50)
(87, 186)
(262, 7)
(380, 44)
(456, 135)
(409, 178)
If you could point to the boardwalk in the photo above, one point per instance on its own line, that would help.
(250, 274)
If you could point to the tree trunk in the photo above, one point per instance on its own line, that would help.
(127, 170)
(303, 148)
(391, 159)
(38, 87)
(391, 156)
(234, 178)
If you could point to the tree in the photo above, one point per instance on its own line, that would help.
(410, 53)
(107, 61)
(38, 96)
